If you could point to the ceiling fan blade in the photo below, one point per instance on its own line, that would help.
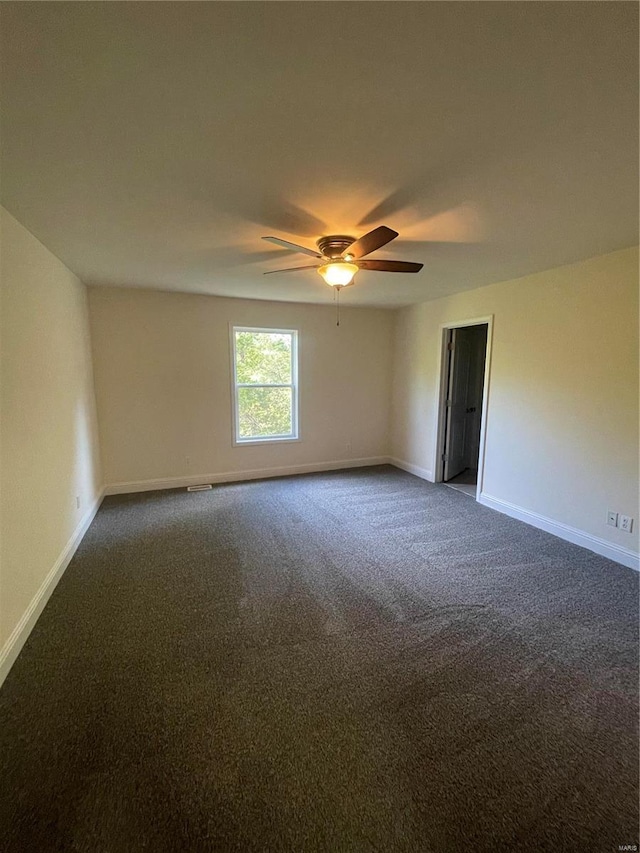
(371, 241)
(293, 269)
(389, 266)
(293, 247)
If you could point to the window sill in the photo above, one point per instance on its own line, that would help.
(250, 441)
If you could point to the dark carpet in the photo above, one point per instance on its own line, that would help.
(352, 661)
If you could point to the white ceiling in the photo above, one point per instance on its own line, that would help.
(153, 144)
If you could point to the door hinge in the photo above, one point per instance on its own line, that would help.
(451, 346)
(447, 402)
(445, 458)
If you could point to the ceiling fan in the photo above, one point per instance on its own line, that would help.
(340, 256)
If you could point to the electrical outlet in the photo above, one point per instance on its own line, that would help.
(626, 523)
(612, 518)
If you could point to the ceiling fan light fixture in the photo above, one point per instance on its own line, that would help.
(338, 273)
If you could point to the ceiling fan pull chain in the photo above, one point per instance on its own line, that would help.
(337, 291)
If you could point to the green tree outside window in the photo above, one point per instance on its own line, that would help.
(265, 386)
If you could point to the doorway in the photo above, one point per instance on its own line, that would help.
(463, 406)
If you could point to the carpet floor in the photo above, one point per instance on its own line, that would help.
(346, 662)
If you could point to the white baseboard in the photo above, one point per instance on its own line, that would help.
(412, 469)
(239, 476)
(20, 633)
(618, 553)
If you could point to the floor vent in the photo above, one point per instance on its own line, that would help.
(204, 488)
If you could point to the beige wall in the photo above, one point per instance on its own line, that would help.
(162, 368)
(562, 428)
(49, 448)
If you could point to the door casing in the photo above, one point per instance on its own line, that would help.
(441, 408)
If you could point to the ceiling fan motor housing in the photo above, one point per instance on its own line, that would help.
(334, 245)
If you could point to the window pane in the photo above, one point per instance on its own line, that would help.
(264, 412)
(263, 357)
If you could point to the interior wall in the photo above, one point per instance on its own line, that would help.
(562, 423)
(163, 384)
(49, 458)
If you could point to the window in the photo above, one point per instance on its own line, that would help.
(265, 377)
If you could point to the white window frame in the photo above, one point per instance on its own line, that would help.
(294, 435)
